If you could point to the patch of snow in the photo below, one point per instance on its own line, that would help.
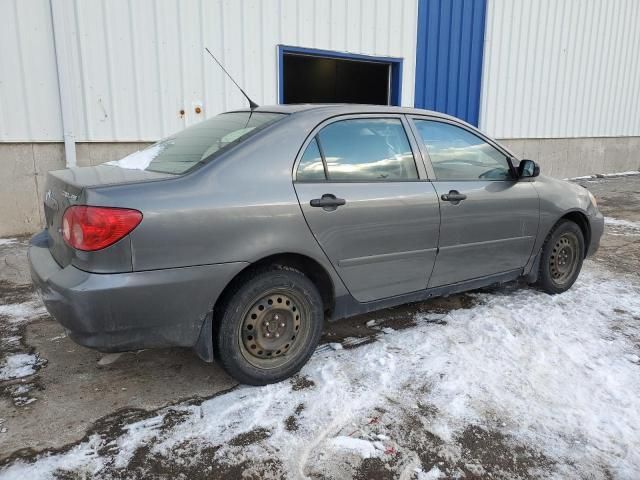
(7, 241)
(633, 358)
(138, 433)
(583, 177)
(141, 159)
(363, 448)
(379, 446)
(336, 346)
(18, 365)
(354, 341)
(84, 456)
(622, 174)
(617, 221)
(22, 312)
(605, 175)
(432, 474)
(555, 371)
(21, 389)
(622, 224)
(475, 469)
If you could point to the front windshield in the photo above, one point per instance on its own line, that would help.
(183, 150)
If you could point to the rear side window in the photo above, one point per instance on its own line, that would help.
(372, 149)
(457, 154)
(311, 167)
(199, 143)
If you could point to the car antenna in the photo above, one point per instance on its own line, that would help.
(252, 104)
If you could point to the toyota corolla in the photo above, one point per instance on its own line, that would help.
(240, 235)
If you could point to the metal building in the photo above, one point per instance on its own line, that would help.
(86, 81)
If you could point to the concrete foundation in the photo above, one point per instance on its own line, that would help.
(574, 157)
(23, 167)
(23, 171)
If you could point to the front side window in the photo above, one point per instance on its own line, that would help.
(457, 154)
(372, 149)
(199, 143)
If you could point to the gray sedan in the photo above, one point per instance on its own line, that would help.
(238, 236)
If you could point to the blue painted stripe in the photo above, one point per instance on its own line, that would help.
(395, 96)
(449, 52)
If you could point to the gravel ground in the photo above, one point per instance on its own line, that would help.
(505, 382)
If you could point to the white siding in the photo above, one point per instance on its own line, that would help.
(136, 63)
(567, 68)
(29, 102)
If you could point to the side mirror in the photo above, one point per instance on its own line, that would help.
(528, 169)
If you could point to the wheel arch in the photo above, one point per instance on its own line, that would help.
(579, 218)
(576, 216)
(305, 264)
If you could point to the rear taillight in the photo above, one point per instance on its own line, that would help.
(92, 228)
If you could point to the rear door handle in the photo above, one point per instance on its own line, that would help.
(453, 196)
(328, 202)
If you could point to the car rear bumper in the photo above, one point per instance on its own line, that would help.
(128, 311)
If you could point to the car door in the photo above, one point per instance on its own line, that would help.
(369, 204)
(489, 219)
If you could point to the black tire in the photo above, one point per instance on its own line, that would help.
(561, 259)
(280, 303)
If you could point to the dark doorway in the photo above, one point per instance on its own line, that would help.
(325, 79)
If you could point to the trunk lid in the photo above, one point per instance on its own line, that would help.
(67, 187)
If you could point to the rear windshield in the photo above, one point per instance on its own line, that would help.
(197, 144)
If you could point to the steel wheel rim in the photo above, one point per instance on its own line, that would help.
(274, 329)
(564, 258)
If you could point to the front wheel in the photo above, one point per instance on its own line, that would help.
(269, 326)
(562, 256)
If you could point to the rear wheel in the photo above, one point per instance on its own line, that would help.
(562, 256)
(269, 327)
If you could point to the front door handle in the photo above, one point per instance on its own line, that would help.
(453, 196)
(328, 202)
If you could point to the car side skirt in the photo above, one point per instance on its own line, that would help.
(346, 306)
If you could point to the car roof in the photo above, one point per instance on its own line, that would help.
(345, 108)
(335, 109)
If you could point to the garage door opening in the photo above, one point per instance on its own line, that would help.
(312, 76)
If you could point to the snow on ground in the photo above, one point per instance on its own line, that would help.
(622, 227)
(555, 379)
(16, 361)
(364, 448)
(622, 174)
(18, 365)
(17, 313)
(432, 474)
(606, 175)
(7, 241)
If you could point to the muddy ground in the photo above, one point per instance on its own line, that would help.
(75, 392)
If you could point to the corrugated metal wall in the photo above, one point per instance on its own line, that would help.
(551, 69)
(29, 102)
(449, 57)
(136, 63)
(567, 68)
